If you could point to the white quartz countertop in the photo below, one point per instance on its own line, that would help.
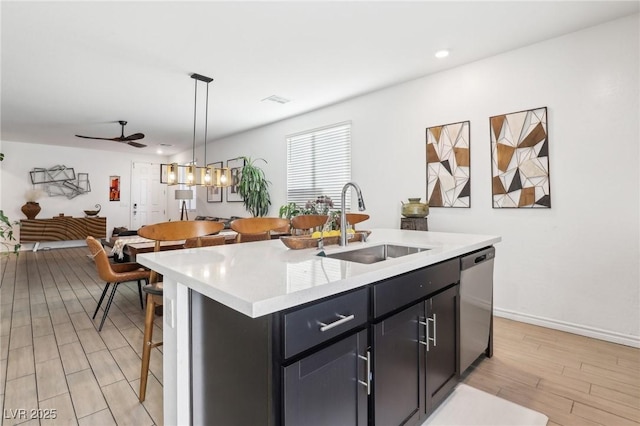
(260, 278)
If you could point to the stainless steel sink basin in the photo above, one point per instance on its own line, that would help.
(376, 253)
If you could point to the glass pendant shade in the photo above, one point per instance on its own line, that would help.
(191, 175)
(207, 175)
(222, 177)
(172, 174)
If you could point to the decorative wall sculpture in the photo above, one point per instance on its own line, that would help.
(448, 165)
(61, 180)
(520, 159)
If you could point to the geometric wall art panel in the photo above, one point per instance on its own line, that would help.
(448, 165)
(520, 160)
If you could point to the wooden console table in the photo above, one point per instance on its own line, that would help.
(62, 228)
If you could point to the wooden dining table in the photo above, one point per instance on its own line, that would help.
(127, 248)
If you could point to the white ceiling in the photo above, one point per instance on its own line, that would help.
(78, 67)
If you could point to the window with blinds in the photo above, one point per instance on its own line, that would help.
(319, 163)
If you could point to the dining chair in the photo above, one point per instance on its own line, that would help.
(114, 273)
(193, 232)
(207, 241)
(353, 218)
(258, 228)
(308, 223)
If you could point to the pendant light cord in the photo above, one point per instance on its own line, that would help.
(206, 123)
(195, 111)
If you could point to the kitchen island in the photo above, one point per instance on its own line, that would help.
(254, 283)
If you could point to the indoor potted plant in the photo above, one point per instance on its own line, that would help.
(6, 235)
(254, 188)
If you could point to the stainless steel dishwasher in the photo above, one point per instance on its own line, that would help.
(476, 304)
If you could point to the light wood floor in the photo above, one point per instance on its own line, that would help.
(52, 357)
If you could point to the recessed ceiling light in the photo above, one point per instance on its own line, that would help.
(158, 151)
(442, 53)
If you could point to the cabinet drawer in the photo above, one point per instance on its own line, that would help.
(403, 290)
(322, 321)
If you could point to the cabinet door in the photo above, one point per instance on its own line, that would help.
(329, 387)
(439, 330)
(396, 368)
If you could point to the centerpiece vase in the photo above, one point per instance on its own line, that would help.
(31, 209)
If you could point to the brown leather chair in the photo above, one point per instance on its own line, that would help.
(308, 223)
(258, 228)
(114, 273)
(193, 232)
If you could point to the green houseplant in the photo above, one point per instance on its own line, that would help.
(6, 230)
(6, 235)
(254, 188)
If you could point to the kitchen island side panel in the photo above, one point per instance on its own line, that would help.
(231, 357)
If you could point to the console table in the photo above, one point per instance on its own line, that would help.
(62, 228)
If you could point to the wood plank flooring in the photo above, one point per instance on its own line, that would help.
(52, 357)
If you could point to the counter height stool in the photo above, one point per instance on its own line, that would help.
(258, 228)
(191, 231)
(114, 273)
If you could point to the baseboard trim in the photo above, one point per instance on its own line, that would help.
(596, 333)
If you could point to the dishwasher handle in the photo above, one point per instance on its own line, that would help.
(477, 258)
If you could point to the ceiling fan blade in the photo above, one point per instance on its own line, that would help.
(134, 137)
(136, 144)
(102, 139)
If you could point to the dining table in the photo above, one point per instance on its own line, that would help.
(128, 247)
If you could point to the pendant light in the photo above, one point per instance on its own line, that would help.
(209, 175)
(192, 175)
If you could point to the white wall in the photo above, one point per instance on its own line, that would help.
(21, 158)
(574, 266)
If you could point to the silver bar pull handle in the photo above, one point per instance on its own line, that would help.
(433, 339)
(426, 326)
(367, 383)
(342, 320)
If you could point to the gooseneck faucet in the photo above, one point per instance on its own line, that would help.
(343, 212)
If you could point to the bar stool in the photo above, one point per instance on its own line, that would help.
(165, 231)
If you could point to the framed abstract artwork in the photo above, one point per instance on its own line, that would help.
(448, 165)
(114, 188)
(214, 193)
(235, 167)
(520, 159)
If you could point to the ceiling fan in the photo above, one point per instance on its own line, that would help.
(126, 139)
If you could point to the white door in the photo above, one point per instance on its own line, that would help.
(148, 196)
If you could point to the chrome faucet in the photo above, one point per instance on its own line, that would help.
(343, 212)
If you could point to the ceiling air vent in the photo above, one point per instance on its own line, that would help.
(278, 99)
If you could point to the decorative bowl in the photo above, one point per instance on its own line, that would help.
(297, 242)
(93, 212)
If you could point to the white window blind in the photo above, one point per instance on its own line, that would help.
(319, 163)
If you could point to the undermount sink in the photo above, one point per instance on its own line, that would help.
(376, 253)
